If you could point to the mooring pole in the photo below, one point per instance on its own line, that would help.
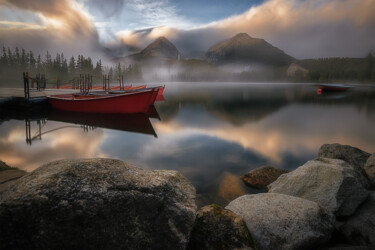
(109, 84)
(28, 132)
(80, 83)
(26, 85)
(44, 81)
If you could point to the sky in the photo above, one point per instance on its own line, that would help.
(116, 28)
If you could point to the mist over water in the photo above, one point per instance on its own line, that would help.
(211, 132)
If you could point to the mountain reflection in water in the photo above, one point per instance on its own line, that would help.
(210, 132)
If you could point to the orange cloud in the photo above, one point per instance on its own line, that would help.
(66, 17)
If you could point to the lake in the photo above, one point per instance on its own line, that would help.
(211, 132)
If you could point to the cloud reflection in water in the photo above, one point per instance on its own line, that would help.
(215, 136)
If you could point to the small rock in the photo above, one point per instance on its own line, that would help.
(360, 227)
(351, 155)
(261, 177)
(218, 228)
(97, 204)
(370, 169)
(329, 182)
(278, 221)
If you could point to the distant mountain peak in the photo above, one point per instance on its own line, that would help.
(162, 39)
(159, 48)
(241, 36)
(243, 48)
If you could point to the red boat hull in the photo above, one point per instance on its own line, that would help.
(130, 103)
(333, 87)
(161, 90)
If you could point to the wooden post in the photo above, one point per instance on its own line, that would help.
(26, 86)
(43, 81)
(28, 132)
(80, 83)
(109, 84)
(103, 82)
(38, 82)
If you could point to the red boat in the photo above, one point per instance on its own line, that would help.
(136, 89)
(333, 87)
(130, 102)
(161, 90)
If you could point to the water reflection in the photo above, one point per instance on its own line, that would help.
(211, 132)
(137, 123)
(65, 134)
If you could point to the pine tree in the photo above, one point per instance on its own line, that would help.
(39, 64)
(24, 59)
(64, 69)
(110, 73)
(98, 69)
(79, 64)
(72, 67)
(4, 59)
(17, 57)
(48, 62)
(10, 58)
(90, 66)
(118, 71)
(32, 62)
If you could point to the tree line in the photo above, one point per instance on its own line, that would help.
(58, 68)
(339, 69)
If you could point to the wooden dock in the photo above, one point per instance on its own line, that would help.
(19, 92)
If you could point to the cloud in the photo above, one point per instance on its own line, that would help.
(304, 29)
(67, 17)
(58, 26)
(309, 28)
(108, 8)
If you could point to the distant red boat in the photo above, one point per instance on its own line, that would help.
(128, 102)
(333, 87)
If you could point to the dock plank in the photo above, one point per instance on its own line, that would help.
(19, 92)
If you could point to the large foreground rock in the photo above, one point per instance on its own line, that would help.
(97, 204)
(370, 169)
(278, 221)
(360, 228)
(354, 156)
(329, 182)
(261, 177)
(218, 228)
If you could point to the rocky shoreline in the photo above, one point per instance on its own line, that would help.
(327, 203)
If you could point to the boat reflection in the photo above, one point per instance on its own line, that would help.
(135, 123)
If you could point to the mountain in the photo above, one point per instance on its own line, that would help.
(160, 48)
(243, 48)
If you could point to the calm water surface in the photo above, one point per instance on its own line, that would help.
(210, 132)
